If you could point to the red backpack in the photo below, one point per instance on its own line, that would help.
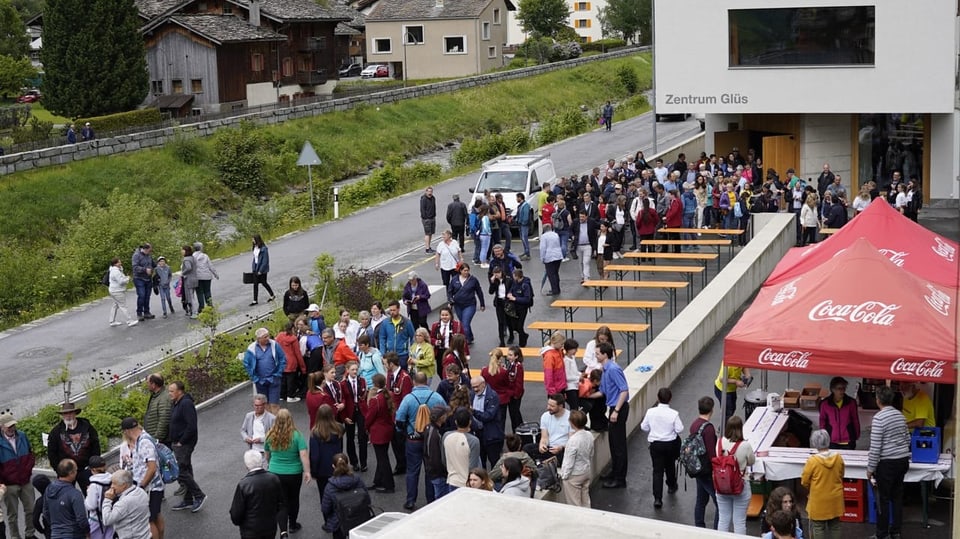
(727, 477)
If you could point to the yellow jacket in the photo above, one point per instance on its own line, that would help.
(823, 477)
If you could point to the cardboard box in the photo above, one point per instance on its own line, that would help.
(791, 399)
(811, 390)
(809, 402)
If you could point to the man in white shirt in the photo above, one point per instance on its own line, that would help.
(660, 171)
(460, 451)
(663, 426)
(554, 431)
(257, 424)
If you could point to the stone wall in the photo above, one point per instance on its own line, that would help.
(60, 155)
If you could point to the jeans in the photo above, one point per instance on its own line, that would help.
(525, 238)
(664, 456)
(705, 493)
(144, 288)
(825, 529)
(270, 388)
(484, 248)
(584, 252)
(476, 248)
(733, 509)
(16, 495)
(465, 315)
(183, 454)
(165, 299)
(506, 237)
(689, 221)
(729, 219)
(889, 475)
(440, 488)
(731, 402)
(204, 295)
(564, 242)
(414, 463)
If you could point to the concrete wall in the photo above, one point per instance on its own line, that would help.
(698, 323)
(826, 138)
(59, 155)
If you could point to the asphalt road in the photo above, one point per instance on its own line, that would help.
(83, 333)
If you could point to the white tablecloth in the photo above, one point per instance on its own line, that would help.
(781, 463)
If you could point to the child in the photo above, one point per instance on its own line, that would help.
(99, 483)
(162, 275)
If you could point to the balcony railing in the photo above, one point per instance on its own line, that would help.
(311, 78)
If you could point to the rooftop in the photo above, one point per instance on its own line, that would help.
(407, 10)
(225, 28)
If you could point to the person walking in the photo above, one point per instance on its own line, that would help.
(608, 116)
(118, 292)
(458, 217)
(823, 477)
(584, 234)
(265, 362)
(428, 216)
(448, 257)
(732, 508)
(63, 508)
(343, 480)
(463, 294)
(285, 451)
(705, 491)
(576, 471)
(156, 420)
(205, 275)
(887, 462)
(260, 266)
(143, 266)
(663, 426)
(16, 467)
(184, 436)
(406, 416)
(257, 500)
(551, 255)
(416, 296)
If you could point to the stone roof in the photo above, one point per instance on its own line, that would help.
(414, 10)
(226, 28)
(154, 8)
(345, 30)
(358, 20)
(301, 10)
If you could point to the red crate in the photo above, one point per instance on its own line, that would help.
(854, 489)
(853, 511)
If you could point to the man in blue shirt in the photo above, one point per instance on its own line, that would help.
(551, 255)
(406, 419)
(396, 334)
(265, 362)
(613, 387)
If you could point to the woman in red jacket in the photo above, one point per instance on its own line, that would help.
(496, 376)
(674, 217)
(379, 421)
(647, 221)
(515, 379)
(324, 389)
(290, 344)
(457, 355)
(554, 374)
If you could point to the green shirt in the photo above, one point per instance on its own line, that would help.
(287, 461)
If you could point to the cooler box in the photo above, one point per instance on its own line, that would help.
(925, 445)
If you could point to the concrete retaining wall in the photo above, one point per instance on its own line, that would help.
(682, 340)
(60, 155)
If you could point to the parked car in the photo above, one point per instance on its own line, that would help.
(30, 96)
(352, 70)
(375, 70)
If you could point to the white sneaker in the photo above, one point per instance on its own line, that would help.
(115, 324)
(566, 260)
(484, 265)
(293, 399)
(132, 323)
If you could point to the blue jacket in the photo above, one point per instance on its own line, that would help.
(183, 421)
(322, 453)
(492, 430)
(262, 263)
(392, 341)
(64, 511)
(462, 294)
(250, 362)
(328, 503)
(524, 214)
(407, 412)
(16, 466)
(689, 202)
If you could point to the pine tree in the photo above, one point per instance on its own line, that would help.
(13, 35)
(93, 56)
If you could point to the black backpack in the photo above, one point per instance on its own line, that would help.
(353, 508)
(105, 280)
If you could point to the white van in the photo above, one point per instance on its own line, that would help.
(512, 174)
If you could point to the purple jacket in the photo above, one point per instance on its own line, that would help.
(422, 293)
(842, 423)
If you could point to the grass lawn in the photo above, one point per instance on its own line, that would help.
(44, 115)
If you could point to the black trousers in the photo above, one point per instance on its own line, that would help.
(458, 235)
(357, 432)
(517, 324)
(553, 275)
(889, 475)
(490, 453)
(261, 280)
(291, 385)
(290, 484)
(617, 436)
(417, 320)
(596, 410)
(573, 398)
(186, 480)
(383, 475)
(503, 329)
(516, 418)
(664, 456)
(399, 445)
(445, 277)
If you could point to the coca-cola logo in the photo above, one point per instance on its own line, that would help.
(794, 359)
(944, 249)
(868, 312)
(897, 257)
(938, 299)
(786, 292)
(920, 369)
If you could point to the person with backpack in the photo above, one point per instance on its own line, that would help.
(99, 483)
(734, 455)
(663, 425)
(139, 454)
(706, 434)
(413, 415)
(346, 502)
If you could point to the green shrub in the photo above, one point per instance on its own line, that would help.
(37, 425)
(472, 151)
(238, 155)
(34, 131)
(187, 149)
(604, 45)
(565, 50)
(253, 219)
(537, 49)
(123, 120)
(560, 126)
(628, 78)
(14, 116)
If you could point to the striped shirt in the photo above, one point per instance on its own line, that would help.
(889, 437)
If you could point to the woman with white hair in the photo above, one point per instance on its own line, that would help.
(416, 296)
(823, 477)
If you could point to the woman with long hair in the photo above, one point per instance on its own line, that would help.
(380, 424)
(809, 221)
(495, 374)
(457, 355)
(290, 344)
(188, 275)
(326, 440)
(515, 380)
(647, 222)
(514, 483)
(480, 479)
(602, 335)
(554, 374)
(343, 480)
(732, 508)
(286, 453)
(295, 299)
(260, 266)
(782, 499)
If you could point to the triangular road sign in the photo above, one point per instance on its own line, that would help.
(308, 156)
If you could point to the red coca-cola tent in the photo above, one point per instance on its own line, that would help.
(857, 314)
(909, 245)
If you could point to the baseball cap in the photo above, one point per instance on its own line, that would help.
(313, 308)
(7, 420)
(129, 423)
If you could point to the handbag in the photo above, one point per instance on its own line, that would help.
(249, 277)
(510, 308)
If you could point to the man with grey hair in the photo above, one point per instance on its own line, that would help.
(205, 274)
(823, 477)
(265, 362)
(887, 462)
(551, 255)
(257, 424)
(126, 507)
(257, 500)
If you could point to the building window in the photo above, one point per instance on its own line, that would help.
(492, 52)
(381, 45)
(156, 87)
(177, 86)
(496, 16)
(227, 9)
(304, 64)
(196, 112)
(196, 86)
(812, 36)
(889, 143)
(581, 6)
(455, 44)
(288, 67)
(583, 23)
(413, 35)
(321, 42)
(485, 29)
(256, 62)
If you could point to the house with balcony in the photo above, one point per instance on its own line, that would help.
(220, 55)
(420, 39)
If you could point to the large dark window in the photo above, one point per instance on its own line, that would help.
(810, 36)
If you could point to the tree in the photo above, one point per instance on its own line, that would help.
(14, 74)
(627, 18)
(13, 34)
(543, 17)
(93, 57)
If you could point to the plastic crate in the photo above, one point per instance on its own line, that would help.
(853, 489)
(853, 511)
(925, 445)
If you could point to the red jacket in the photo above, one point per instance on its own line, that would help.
(290, 344)
(437, 340)
(379, 420)
(451, 359)
(554, 375)
(500, 383)
(400, 386)
(674, 217)
(350, 409)
(515, 377)
(649, 227)
(316, 399)
(342, 354)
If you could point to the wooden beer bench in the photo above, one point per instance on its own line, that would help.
(646, 308)
(628, 330)
(668, 287)
(687, 271)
